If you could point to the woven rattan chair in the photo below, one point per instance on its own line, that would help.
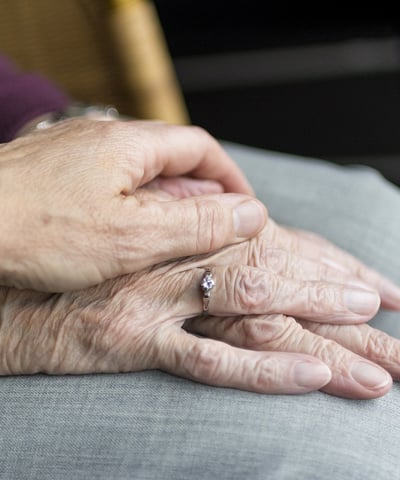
(98, 51)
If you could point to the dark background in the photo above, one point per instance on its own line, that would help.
(310, 86)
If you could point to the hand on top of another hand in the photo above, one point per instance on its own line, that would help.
(279, 320)
(309, 271)
(70, 215)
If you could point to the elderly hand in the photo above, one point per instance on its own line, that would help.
(350, 351)
(70, 215)
(135, 322)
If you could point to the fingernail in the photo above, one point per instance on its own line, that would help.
(248, 218)
(370, 376)
(311, 375)
(362, 302)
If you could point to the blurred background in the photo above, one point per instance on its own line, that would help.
(322, 88)
(319, 84)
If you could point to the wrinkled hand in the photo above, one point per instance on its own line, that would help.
(135, 322)
(298, 255)
(70, 215)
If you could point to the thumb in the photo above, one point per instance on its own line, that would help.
(191, 226)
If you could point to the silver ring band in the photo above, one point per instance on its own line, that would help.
(207, 284)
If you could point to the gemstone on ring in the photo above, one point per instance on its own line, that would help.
(207, 284)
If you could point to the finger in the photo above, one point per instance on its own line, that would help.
(243, 290)
(153, 232)
(364, 340)
(216, 363)
(283, 263)
(183, 150)
(352, 375)
(183, 187)
(317, 248)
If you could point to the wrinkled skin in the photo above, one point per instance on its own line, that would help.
(70, 216)
(288, 311)
(278, 322)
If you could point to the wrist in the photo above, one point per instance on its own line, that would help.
(94, 112)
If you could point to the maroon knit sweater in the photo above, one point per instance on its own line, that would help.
(24, 96)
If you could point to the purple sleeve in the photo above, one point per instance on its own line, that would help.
(24, 96)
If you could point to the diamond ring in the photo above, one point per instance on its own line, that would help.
(206, 285)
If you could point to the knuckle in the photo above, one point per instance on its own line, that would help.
(318, 338)
(328, 351)
(286, 332)
(251, 289)
(321, 297)
(274, 331)
(203, 361)
(378, 345)
(268, 374)
(256, 331)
